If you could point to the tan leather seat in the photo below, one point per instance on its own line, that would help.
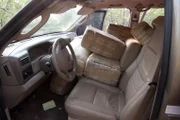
(91, 100)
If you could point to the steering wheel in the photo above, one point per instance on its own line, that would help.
(64, 60)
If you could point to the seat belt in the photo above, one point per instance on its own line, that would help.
(146, 105)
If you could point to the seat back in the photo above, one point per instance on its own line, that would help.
(141, 33)
(134, 82)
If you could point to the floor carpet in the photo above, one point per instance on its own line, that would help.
(31, 108)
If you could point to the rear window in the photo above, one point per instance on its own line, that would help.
(151, 14)
(119, 16)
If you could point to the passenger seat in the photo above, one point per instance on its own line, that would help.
(92, 100)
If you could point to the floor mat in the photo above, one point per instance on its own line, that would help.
(31, 108)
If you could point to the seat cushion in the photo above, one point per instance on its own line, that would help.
(102, 69)
(81, 55)
(102, 43)
(131, 52)
(92, 100)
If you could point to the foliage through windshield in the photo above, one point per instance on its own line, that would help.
(151, 14)
(58, 22)
(8, 8)
(55, 23)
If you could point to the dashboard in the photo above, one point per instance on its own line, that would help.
(20, 66)
(22, 63)
(39, 50)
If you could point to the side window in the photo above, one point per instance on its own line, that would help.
(31, 25)
(95, 20)
(119, 16)
(151, 14)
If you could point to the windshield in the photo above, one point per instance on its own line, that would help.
(56, 22)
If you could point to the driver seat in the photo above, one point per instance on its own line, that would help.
(92, 100)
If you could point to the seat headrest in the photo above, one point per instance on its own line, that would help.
(142, 32)
(158, 21)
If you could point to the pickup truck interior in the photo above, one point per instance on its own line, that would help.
(92, 59)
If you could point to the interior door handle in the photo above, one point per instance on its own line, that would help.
(172, 111)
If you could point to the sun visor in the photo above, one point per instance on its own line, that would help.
(85, 11)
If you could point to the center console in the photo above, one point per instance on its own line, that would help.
(26, 67)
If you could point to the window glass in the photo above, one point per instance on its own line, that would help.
(119, 16)
(8, 8)
(95, 20)
(60, 22)
(31, 25)
(151, 14)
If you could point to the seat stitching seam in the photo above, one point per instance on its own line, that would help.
(90, 109)
(131, 103)
(144, 50)
(118, 111)
(106, 100)
(152, 49)
(140, 74)
(94, 96)
(133, 83)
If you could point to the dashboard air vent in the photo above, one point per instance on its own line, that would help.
(24, 61)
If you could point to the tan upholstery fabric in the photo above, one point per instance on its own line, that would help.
(119, 31)
(131, 52)
(142, 32)
(102, 69)
(91, 100)
(103, 43)
(136, 78)
(81, 55)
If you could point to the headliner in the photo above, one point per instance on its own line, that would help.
(98, 4)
